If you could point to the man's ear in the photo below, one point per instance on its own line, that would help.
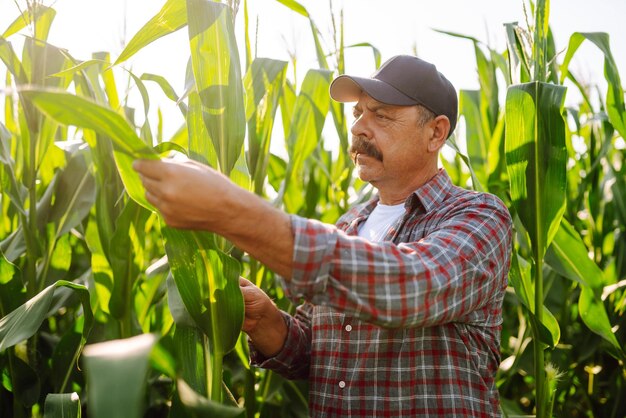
(441, 127)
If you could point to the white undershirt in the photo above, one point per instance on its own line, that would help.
(377, 225)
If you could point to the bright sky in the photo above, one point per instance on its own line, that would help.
(394, 26)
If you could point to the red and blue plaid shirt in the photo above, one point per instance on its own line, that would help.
(407, 327)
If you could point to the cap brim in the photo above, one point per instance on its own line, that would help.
(347, 88)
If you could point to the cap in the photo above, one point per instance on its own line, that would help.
(403, 80)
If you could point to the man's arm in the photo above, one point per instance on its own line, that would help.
(191, 195)
(457, 272)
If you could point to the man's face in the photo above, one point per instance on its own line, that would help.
(389, 148)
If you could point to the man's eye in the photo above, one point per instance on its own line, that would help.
(380, 116)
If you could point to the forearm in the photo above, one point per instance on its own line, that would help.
(259, 229)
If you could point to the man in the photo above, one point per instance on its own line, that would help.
(403, 297)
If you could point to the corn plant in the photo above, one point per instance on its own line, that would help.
(556, 284)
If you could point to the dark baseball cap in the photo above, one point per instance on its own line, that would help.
(403, 80)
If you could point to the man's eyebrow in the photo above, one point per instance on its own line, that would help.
(380, 106)
(374, 107)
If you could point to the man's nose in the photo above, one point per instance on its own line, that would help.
(360, 127)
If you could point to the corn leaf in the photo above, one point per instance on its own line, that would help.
(12, 62)
(217, 73)
(521, 280)
(619, 197)
(309, 115)
(536, 157)
(23, 322)
(126, 257)
(569, 257)
(62, 405)
(171, 17)
(108, 364)
(200, 406)
(295, 6)
(476, 183)
(615, 106)
(477, 142)
(375, 51)
(167, 89)
(208, 283)
(40, 16)
(69, 109)
(264, 81)
(200, 144)
(188, 342)
(74, 195)
(519, 69)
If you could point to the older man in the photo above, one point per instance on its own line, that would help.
(403, 296)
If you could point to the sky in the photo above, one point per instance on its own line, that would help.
(393, 26)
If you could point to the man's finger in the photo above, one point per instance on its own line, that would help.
(152, 199)
(152, 186)
(244, 282)
(150, 168)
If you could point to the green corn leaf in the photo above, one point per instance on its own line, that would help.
(116, 376)
(167, 89)
(217, 74)
(69, 109)
(305, 132)
(188, 343)
(171, 17)
(540, 47)
(75, 194)
(375, 51)
(65, 356)
(476, 183)
(295, 6)
(519, 69)
(208, 283)
(477, 142)
(246, 32)
(569, 257)
(615, 106)
(264, 80)
(200, 406)
(521, 280)
(62, 405)
(126, 257)
(619, 197)
(536, 158)
(41, 16)
(594, 315)
(15, 190)
(26, 382)
(24, 322)
(12, 62)
(200, 144)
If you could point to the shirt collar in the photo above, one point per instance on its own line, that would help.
(433, 192)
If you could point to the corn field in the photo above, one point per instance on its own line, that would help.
(107, 312)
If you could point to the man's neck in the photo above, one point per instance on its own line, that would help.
(396, 194)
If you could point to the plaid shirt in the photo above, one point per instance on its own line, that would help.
(407, 327)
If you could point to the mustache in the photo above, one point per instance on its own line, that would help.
(360, 145)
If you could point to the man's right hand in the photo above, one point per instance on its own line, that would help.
(263, 321)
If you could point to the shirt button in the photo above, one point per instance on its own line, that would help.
(342, 384)
(348, 327)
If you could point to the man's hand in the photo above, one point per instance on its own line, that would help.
(263, 322)
(188, 194)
